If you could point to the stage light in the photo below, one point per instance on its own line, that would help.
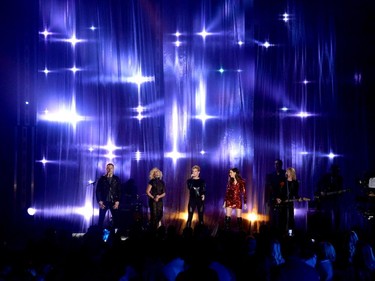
(45, 33)
(204, 34)
(73, 40)
(31, 211)
(252, 217)
(266, 44)
(286, 17)
(331, 155)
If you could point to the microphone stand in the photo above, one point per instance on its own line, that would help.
(287, 205)
(93, 201)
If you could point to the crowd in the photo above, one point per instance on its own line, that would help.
(195, 254)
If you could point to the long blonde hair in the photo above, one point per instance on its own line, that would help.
(155, 173)
(293, 173)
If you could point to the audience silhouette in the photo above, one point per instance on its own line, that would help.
(195, 254)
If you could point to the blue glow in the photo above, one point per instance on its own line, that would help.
(138, 79)
(303, 114)
(266, 44)
(45, 71)
(204, 33)
(286, 17)
(331, 155)
(110, 148)
(31, 211)
(45, 33)
(138, 155)
(74, 69)
(73, 40)
(44, 161)
(63, 116)
(175, 154)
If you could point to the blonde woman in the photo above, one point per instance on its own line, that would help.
(156, 192)
(289, 194)
(197, 192)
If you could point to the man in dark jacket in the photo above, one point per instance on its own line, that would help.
(274, 184)
(108, 195)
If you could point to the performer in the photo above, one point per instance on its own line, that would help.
(274, 182)
(235, 191)
(331, 183)
(197, 193)
(288, 195)
(328, 197)
(108, 193)
(156, 192)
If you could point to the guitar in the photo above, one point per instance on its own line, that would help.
(302, 199)
(332, 193)
(297, 200)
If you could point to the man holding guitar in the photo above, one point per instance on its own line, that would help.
(330, 188)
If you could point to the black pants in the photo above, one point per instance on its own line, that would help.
(195, 203)
(114, 214)
(282, 218)
(156, 213)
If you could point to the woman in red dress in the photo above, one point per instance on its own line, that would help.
(235, 192)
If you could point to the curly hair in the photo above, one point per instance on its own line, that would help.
(155, 173)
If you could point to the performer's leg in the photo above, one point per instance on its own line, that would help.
(239, 218)
(227, 219)
(200, 211)
(153, 219)
(115, 218)
(102, 213)
(159, 213)
(292, 222)
(239, 224)
(191, 208)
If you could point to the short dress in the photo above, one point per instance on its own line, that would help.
(234, 194)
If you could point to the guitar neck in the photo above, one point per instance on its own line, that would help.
(297, 200)
(337, 192)
(331, 193)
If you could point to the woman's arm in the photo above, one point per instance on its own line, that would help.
(148, 191)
